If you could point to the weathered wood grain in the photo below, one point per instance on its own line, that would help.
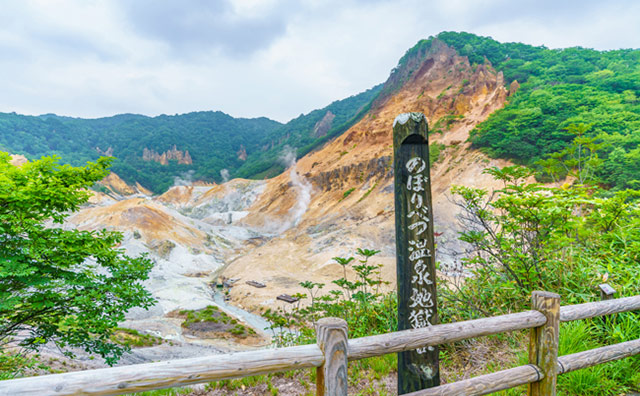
(485, 384)
(142, 377)
(415, 249)
(600, 308)
(593, 357)
(331, 379)
(543, 343)
(360, 348)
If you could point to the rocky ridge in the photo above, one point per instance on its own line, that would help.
(18, 160)
(173, 153)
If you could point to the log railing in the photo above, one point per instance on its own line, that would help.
(333, 350)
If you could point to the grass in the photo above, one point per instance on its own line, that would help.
(214, 320)
(164, 392)
(435, 149)
(365, 377)
(612, 378)
(348, 192)
(240, 383)
(368, 192)
(444, 92)
(444, 123)
(134, 339)
(374, 368)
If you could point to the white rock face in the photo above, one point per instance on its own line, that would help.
(181, 276)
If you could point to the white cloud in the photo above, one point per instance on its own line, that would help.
(275, 58)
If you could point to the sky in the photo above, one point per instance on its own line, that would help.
(254, 58)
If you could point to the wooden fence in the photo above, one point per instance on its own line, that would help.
(330, 355)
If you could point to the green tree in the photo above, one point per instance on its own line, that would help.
(67, 286)
(528, 236)
(579, 160)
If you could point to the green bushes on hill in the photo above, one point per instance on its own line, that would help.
(558, 88)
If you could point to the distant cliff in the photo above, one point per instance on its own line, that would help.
(183, 158)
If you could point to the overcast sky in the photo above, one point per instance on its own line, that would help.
(252, 58)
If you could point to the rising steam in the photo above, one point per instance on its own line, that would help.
(302, 188)
(227, 199)
(224, 173)
(185, 179)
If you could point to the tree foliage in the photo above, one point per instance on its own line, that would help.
(67, 286)
(558, 88)
(529, 236)
(213, 139)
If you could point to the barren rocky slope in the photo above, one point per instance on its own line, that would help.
(454, 96)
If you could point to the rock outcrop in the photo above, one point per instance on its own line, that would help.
(324, 125)
(108, 152)
(513, 87)
(18, 160)
(115, 185)
(242, 153)
(183, 157)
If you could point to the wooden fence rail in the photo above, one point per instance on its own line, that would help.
(329, 356)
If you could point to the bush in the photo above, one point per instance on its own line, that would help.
(359, 302)
(527, 237)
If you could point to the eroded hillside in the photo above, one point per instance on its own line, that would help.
(351, 180)
(285, 230)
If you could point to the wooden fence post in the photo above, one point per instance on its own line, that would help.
(606, 291)
(543, 343)
(331, 378)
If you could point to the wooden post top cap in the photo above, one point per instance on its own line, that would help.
(331, 322)
(404, 117)
(546, 294)
(607, 289)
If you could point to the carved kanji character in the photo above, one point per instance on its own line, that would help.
(422, 274)
(420, 298)
(419, 318)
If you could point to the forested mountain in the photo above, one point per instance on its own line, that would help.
(153, 150)
(561, 91)
(307, 132)
(553, 94)
(211, 139)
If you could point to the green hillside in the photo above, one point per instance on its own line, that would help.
(560, 88)
(299, 133)
(213, 139)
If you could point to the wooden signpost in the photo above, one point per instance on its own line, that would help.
(415, 253)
